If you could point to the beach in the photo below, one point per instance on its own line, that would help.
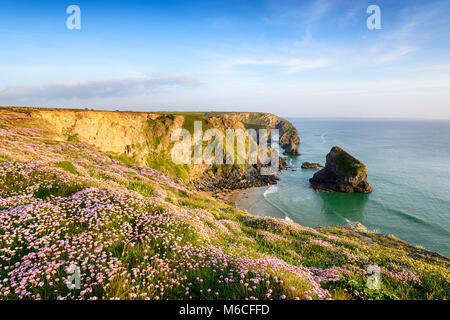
(253, 200)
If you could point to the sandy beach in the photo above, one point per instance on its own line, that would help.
(254, 202)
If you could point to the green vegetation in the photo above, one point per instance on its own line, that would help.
(141, 187)
(189, 120)
(67, 165)
(122, 158)
(347, 164)
(73, 138)
(4, 158)
(42, 183)
(163, 162)
(254, 125)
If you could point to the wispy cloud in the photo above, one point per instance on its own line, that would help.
(415, 21)
(290, 65)
(96, 89)
(395, 54)
(435, 67)
(302, 15)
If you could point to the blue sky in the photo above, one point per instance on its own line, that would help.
(293, 58)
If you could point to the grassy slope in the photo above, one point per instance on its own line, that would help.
(137, 233)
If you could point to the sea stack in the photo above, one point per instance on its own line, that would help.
(342, 173)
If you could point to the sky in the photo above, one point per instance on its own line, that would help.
(312, 58)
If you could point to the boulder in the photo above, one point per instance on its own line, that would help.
(311, 165)
(355, 226)
(342, 173)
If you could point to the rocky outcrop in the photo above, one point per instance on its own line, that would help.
(227, 178)
(311, 165)
(355, 226)
(289, 139)
(342, 173)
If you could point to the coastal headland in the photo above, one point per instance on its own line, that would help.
(96, 191)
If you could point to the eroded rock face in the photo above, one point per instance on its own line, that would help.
(342, 173)
(289, 139)
(145, 138)
(311, 165)
(227, 178)
(290, 148)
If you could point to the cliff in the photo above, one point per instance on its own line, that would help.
(145, 138)
(138, 233)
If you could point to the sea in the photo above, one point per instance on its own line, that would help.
(408, 167)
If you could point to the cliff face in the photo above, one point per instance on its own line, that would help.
(122, 133)
(289, 138)
(145, 138)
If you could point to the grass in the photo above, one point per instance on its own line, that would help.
(143, 188)
(68, 166)
(45, 184)
(162, 161)
(4, 158)
(347, 164)
(189, 121)
(122, 158)
(73, 138)
(57, 191)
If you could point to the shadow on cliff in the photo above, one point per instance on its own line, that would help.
(344, 206)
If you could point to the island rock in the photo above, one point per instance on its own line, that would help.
(342, 173)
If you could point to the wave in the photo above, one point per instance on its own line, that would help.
(412, 218)
(341, 216)
(289, 162)
(322, 136)
(272, 189)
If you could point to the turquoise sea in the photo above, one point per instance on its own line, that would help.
(408, 165)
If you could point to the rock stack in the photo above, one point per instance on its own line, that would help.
(342, 173)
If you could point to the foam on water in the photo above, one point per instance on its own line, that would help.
(272, 189)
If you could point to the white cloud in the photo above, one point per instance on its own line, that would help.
(415, 20)
(435, 67)
(395, 54)
(288, 65)
(94, 89)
